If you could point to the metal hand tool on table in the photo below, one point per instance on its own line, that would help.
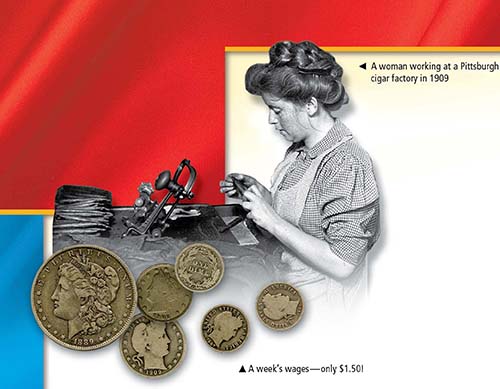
(240, 189)
(178, 191)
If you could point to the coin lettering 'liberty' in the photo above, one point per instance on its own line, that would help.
(199, 267)
(83, 297)
(280, 306)
(153, 348)
(161, 296)
(224, 328)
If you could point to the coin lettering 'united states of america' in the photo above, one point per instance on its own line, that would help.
(224, 328)
(153, 348)
(83, 297)
(161, 296)
(280, 306)
(199, 267)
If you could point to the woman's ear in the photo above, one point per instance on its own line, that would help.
(312, 106)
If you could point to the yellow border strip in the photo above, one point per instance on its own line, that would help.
(45, 212)
(411, 49)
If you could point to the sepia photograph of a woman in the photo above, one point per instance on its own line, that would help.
(323, 202)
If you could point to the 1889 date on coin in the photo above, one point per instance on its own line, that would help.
(83, 297)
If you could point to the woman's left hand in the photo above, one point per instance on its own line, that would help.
(313, 251)
(261, 212)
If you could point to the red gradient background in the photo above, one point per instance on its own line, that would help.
(109, 93)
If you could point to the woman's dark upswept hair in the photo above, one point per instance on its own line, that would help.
(297, 72)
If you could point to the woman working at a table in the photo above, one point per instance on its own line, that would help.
(323, 202)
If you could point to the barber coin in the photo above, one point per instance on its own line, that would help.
(83, 297)
(224, 328)
(153, 348)
(161, 296)
(199, 267)
(280, 306)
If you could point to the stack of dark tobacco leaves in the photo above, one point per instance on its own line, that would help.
(82, 210)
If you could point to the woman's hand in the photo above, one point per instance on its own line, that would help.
(228, 186)
(312, 251)
(261, 212)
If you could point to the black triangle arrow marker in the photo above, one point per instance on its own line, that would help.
(242, 370)
(363, 66)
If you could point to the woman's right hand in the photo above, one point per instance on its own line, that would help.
(228, 187)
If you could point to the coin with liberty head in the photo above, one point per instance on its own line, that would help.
(224, 328)
(83, 297)
(280, 306)
(153, 348)
(160, 295)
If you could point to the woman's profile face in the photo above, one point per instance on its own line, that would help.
(228, 332)
(66, 302)
(226, 326)
(288, 118)
(159, 341)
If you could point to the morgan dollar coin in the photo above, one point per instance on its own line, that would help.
(83, 297)
(224, 328)
(153, 348)
(160, 295)
(199, 267)
(280, 306)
